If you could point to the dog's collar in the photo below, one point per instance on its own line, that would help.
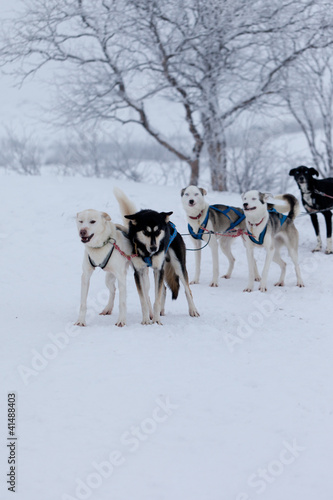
(255, 224)
(109, 240)
(198, 216)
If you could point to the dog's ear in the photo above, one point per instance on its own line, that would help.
(264, 197)
(292, 172)
(166, 215)
(182, 192)
(313, 171)
(106, 216)
(203, 191)
(132, 218)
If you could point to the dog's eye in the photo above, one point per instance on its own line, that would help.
(80, 221)
(186, 194)
(157, 233)
(196, 194)
(92, 222)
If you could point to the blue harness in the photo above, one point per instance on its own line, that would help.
(173, 235)
(198, 235)
(260, 241)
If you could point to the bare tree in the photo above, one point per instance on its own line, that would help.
(258, 158)
(211, 57)
(92, 154)
(20, 153)
(308, 93)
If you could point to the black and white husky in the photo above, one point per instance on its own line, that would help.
(213, 224)
(317, 196)
(270, 229)
(156, 244)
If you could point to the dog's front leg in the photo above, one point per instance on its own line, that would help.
(140, 285)
(215, 258)
(197, 244)
(145, 290)
(269, 257)
(251, 265)
(85, 281)
(110, 283)
(314, 220)
(158, 278)
(121, 321)
(328, 219)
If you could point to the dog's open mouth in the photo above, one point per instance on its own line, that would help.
(86, 239)
(249, 208)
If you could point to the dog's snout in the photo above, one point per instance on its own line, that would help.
(83, 232)
(245, 205)
(191, 202)
(153, 248)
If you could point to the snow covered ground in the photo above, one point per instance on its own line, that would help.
(234, 405)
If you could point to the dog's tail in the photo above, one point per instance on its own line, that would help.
(171, 279)
(290, 204)
(125, 205)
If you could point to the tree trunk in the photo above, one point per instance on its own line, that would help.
(194, 166)
(217, 157)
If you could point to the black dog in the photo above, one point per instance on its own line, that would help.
(317, 195)
(159, 246)
(156, 244)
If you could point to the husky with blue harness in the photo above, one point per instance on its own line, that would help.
(268, 228)
(214, 224)
(156, 244)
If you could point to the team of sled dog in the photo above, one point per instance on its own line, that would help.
(149, 239)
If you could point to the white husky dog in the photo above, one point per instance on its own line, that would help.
(270, 229)
(204, 220)
(107, 247)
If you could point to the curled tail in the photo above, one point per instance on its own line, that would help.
(290, 205)
(125, 205)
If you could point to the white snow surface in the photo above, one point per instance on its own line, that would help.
(233, 405)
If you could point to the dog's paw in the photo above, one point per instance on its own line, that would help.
(263, 289)
(213, 284)
(120, 323)
(157, 322)
(279, 283)
(257, 278)
(194, 313)
(248, 289)
(146, 322)
(106, 312)
(328, 252)
(317, 249)
(194, 282)
(80, 323)
(226, 276)
(300, 284)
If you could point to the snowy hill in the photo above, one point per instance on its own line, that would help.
(234, 405)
